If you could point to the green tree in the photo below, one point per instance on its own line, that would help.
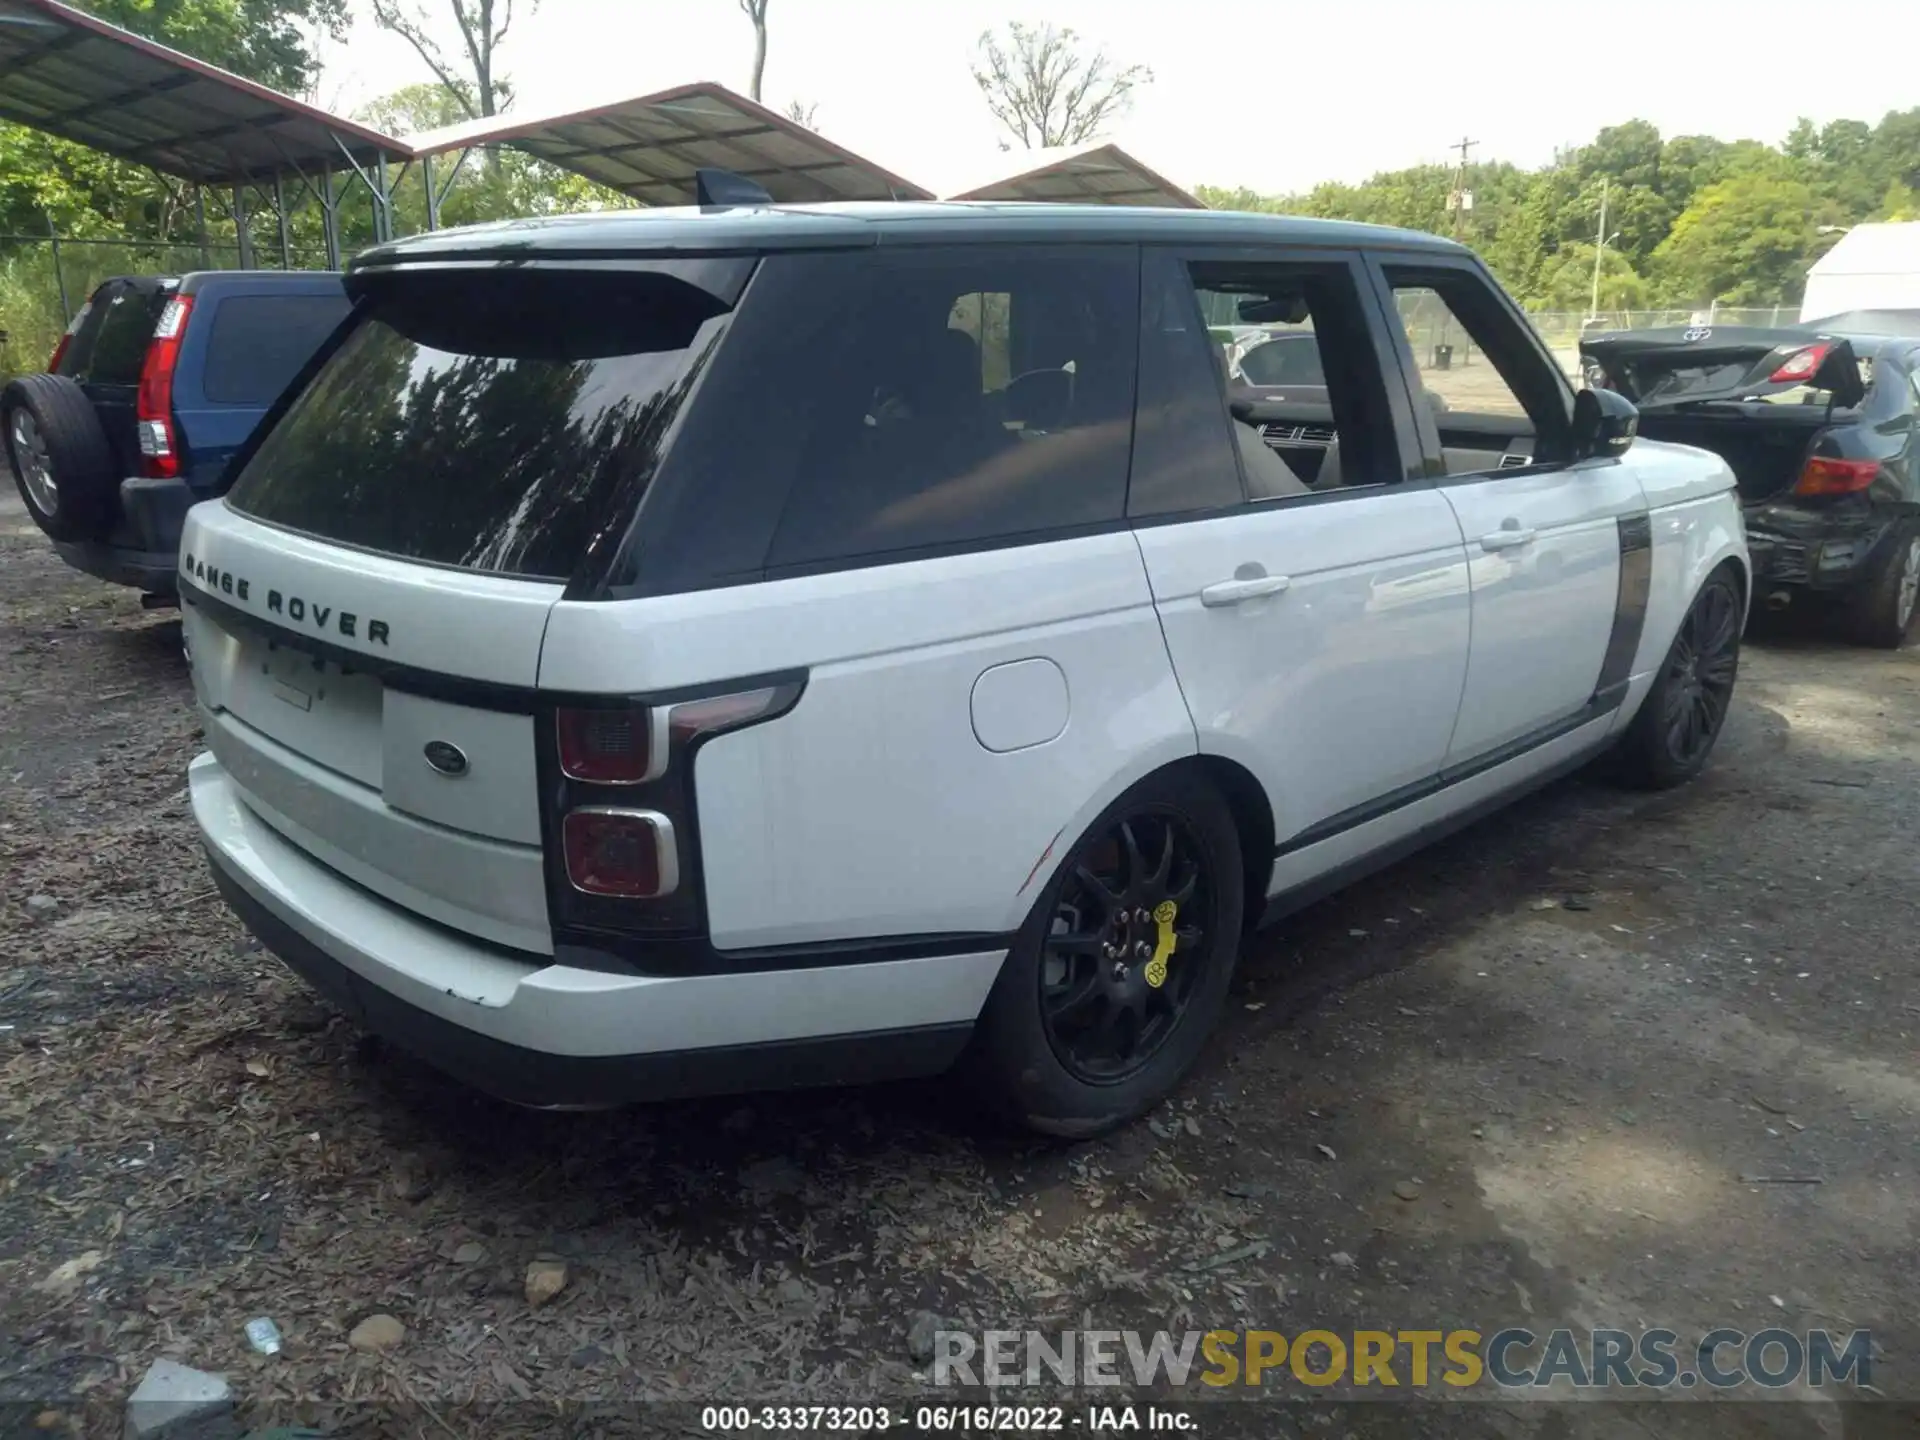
(264, 40)
(1694, 215)
(44, 179)
(1893, 155)
(1565, 282)
(1746, 240)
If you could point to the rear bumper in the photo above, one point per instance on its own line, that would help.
(535, 1033)
(150, 571)
(147, 556)
(1793, 548)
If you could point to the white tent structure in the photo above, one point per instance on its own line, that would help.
(1874, 267)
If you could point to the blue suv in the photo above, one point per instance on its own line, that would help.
(157, 382)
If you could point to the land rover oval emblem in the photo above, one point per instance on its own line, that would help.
(447, 758)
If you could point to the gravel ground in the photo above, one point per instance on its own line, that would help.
(1528, 1077)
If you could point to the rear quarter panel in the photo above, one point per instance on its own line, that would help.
(875, 807)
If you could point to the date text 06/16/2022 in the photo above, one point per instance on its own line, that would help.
(946, 1419)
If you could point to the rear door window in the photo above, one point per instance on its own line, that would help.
(977, 394)
(258, 342)
(498, 421)
(111, 347)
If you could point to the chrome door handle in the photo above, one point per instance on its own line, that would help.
(1233, 592)
(1506, 539)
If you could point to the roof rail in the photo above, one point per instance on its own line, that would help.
(713, 187)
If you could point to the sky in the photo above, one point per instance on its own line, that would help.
(1274, 95)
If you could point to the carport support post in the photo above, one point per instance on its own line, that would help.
(59, 275)
(382, 199)
(280, 209)
(200, 226)
(241, 231)
(330, 219)
(433, 195)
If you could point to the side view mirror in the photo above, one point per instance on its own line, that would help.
(1604, 424)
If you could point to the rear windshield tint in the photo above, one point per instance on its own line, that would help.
(495, 421)
(259, 342)
(111, 346)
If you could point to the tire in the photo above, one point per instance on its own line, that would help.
(60, 457)
(1051, 1075)
(1680, 721)
(1880, 613)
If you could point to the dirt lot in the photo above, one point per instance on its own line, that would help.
(1572, 1035)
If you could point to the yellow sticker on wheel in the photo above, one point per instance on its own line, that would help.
(1156, 971)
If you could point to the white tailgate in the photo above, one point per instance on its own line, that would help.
(334, 758)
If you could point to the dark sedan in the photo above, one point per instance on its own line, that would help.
(1821, 425)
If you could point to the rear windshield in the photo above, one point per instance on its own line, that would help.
(110, 347)
(494, 421)
(259, 342)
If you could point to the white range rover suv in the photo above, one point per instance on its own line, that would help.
(690, 650)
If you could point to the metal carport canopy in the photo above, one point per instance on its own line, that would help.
(66, 73)
(1076, 175)
(648, 148)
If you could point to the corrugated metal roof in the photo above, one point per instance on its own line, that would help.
(66, 73)
(648, 147)
(69, 74)
(1078, 175)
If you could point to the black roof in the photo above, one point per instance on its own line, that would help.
(689, 230)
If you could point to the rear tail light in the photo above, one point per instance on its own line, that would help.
(66, 340)
(693, 718)
(153, 407)
(1801, 364)
(609, 747)
(1824, 476)
(625, 854)
(623, 808)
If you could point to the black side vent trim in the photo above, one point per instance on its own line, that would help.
(1629, 608)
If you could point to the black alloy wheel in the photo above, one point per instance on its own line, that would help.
(1681, 719)
(1698, 684)
(1121, 970)
(1124, 955)
(1882, 606)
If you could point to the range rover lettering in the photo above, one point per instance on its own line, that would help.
(881, 639)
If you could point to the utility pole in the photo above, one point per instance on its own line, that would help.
(1460, 200)
(1599, 249)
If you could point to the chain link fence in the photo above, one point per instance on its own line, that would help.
(44, 281)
